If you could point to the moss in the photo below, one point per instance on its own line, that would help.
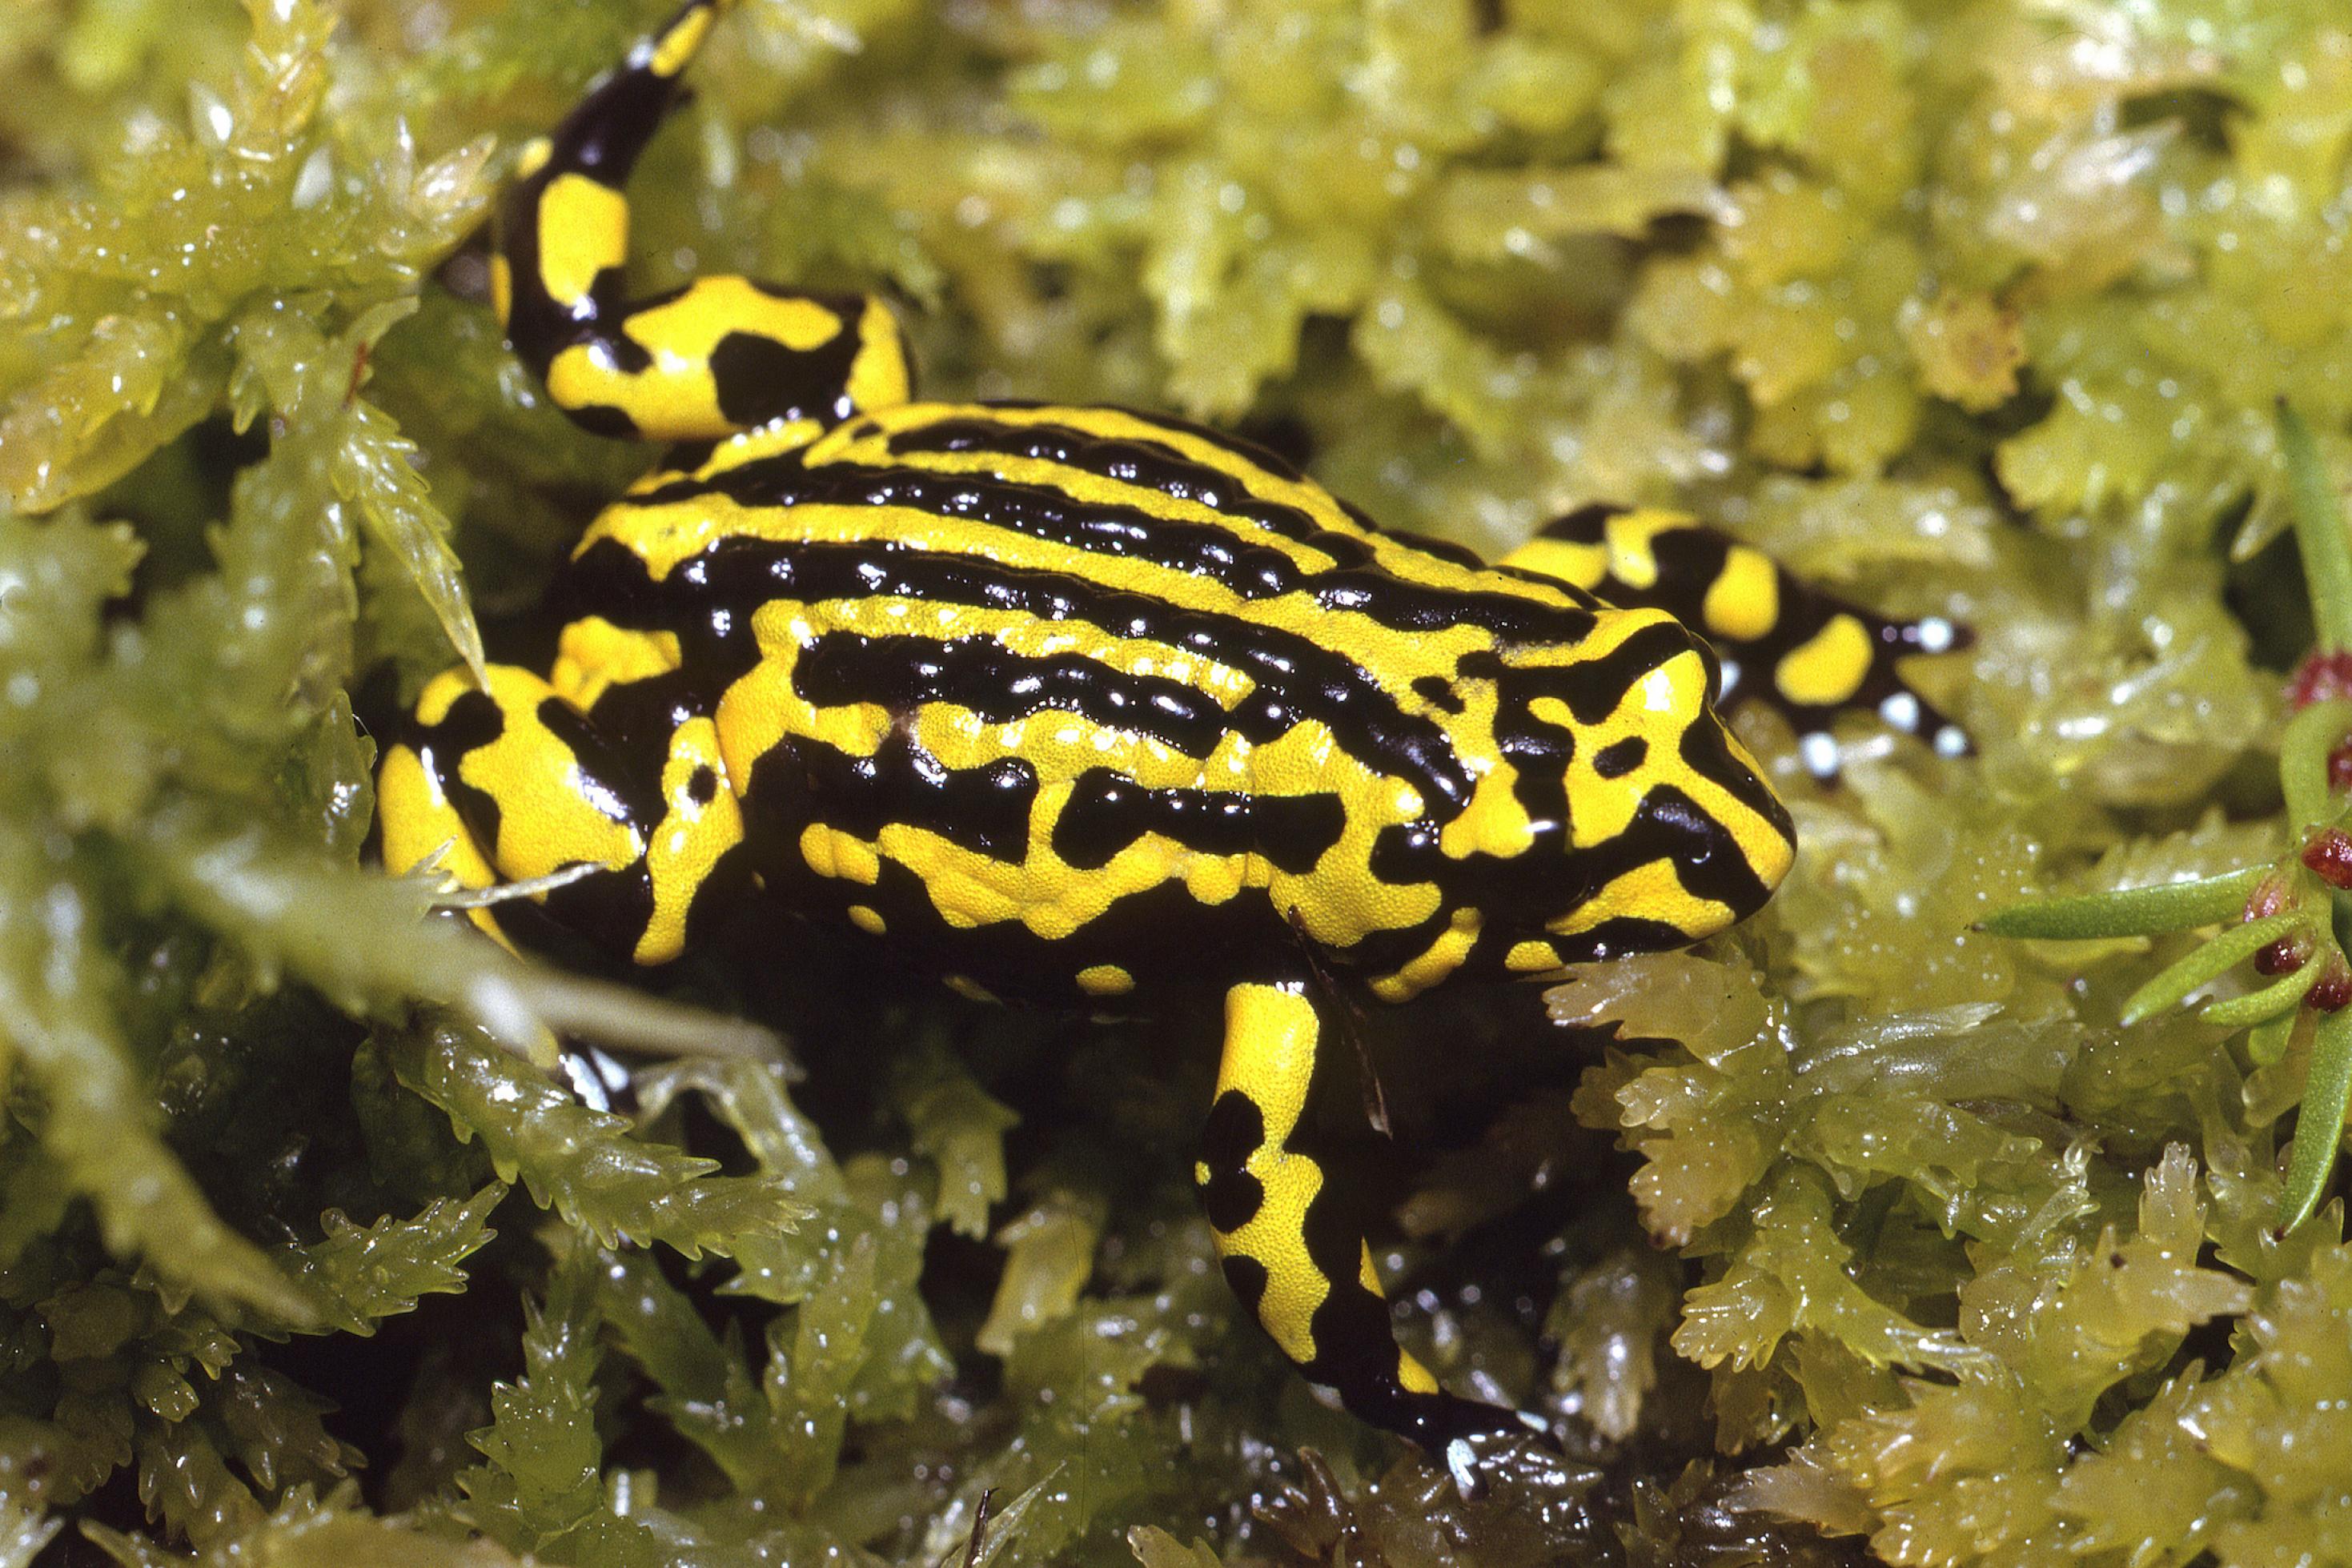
(1909, 1244)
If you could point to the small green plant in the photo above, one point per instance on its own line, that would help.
(2289, 917)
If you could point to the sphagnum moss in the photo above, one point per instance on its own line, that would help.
(1979, 308)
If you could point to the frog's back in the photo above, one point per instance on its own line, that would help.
(1075, 700)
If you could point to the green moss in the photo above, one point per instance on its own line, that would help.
(1913, 1246)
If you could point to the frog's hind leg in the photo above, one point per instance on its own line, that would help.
(517, 782)
(1289, 1255)
(1780, 641)
(721, 355)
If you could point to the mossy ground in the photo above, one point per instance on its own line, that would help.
(1873, 1232)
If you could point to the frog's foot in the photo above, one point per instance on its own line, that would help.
(719, 355)
(1779, 640)
(1305, 1272)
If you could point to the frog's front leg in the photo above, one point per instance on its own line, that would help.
(1288, 1253)
(721, 355)
(1781, 640)
(519, 781)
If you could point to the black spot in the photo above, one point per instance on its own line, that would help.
(1230, 1199)
(1247, 1277)
(473, 720)
(1438, 693)
(759, 379)
(702, 786)
(1233, 1132)
(1107, 812)
(602, 418)
(1620, 757)
(900, 673)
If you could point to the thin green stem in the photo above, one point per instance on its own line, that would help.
(2208, 963)
(2318, 513)
(2281, 995)
(2131, 911)
(2319, 1124)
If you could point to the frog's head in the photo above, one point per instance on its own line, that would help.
(1635, 820)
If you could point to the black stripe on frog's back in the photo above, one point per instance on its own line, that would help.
(709, 601)
(1131, 460)
(1107, 812)
(977, 674)
(1252, 570)
(1409, 586)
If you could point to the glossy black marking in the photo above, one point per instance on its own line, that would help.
(1232, 1196)
(1405, 606)
(1618, 937)
(1539, 752)
(472, 721)
(1225, 441)
(980, 674)
(1598, 688)
(1438, 693)
(602, 419)
(606, 779)
(1706, 751)
(638, 717)
(1621, 757)
(1107, 812)
(759, 380)
(1152, 464)
(702, 786)
(611, 908)
(1247, 1278)
(984, 809)
(709, 601)
(1669, 825)
(1352, 582)
(1202, 549)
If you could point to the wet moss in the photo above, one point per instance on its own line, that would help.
(1863, 1230)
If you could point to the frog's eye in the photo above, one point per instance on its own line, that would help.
(1438, 693)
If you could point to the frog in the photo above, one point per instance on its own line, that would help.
(1085, 706)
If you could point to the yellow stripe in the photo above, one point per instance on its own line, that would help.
(1651, 891)
(1440, 960)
